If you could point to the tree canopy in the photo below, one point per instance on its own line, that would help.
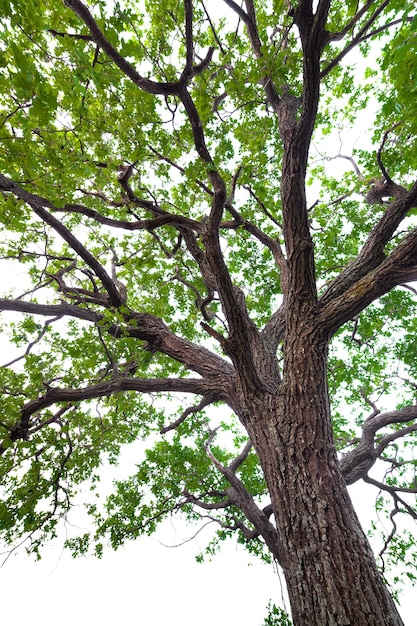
(190, 193)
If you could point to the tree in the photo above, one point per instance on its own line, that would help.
(156, 168)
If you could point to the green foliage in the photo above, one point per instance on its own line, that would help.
(276, 616)
(70, 120)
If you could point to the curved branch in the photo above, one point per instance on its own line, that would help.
(237, 462)
(54, 395)
(381, 29)
(196, 125)
(271, 243)
(385, 441)
(398, 268)
(339, 35)
(206, 401)
(244, 336)
(249, 19)
(355, 41)
(207, 506)
(149, 224)
(147, 85)
(357, 463)
(37, 203)
(241, 498)
(143, 326)
(392, 490)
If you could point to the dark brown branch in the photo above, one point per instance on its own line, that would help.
(296, 132)
(189, 40)
(237, 462)
(54, 419)
(239, 11)
(33, 343)
(357, 463)
(381, 29)
(145, 327)
(392, 490)
(149, 224)
(54, 395)
(339, 35)
(196, 125)
(372, 253)
(37, 203)
(56, 33)
(56, 310)
(262, 206)
(355, 41)
(181, 169)
(398, 268)
(381, 147)
(271, 243)
(398, 434)
(198, 69)
(252, 28)
(243, 333)
(249, 20)
(241, 498)
(143, 83)
(190, 410)
(207, 506)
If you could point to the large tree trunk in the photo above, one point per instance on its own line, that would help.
(328, 564)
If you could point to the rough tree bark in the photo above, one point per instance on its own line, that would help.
(329, 567)
(330, 570)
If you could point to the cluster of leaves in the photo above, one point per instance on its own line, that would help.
(71, 123)
(276, 616)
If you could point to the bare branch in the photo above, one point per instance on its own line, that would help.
(33, 343)
(356, 464)
(392, 490)
(241, 498)
(206, 401)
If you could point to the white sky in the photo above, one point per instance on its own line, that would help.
(150, 584)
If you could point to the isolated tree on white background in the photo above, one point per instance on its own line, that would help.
(154, 160)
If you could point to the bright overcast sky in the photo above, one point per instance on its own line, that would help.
(146, 583)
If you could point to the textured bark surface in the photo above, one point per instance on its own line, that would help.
(329, 567)
(330, 570)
